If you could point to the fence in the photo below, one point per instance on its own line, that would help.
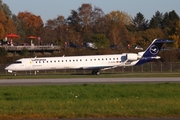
(148, 67)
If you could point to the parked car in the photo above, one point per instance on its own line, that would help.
(138, 48)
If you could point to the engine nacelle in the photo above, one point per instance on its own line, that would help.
(132, 56)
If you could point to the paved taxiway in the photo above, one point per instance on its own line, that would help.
(62, 81)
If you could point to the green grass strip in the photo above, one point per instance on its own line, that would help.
(90, 100)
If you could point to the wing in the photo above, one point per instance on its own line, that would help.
(98, 67)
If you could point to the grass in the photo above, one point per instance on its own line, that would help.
(90, 100)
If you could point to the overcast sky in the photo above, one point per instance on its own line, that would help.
(50, 9)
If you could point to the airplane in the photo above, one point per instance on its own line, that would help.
(96, 63)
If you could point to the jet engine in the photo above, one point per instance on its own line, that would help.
(132, 56)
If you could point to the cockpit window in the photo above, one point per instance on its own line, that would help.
(17, 62)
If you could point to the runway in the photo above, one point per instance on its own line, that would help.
(67, 81)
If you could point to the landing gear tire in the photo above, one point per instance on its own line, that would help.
(95, 72)
(15, 74)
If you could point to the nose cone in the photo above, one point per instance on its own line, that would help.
(9, 68)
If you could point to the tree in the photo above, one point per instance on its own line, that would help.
(48, 35)
(156, 20)
(120, 16)
(100, 40)
(19, 27)
(84, 13)
(3, 52)
(73, 21)
(32, 24)
(59, 29)
(176, 35)
(116, 29)
(151, 34)
(169, 22)
(140, 22)
(81, 21)
(2, 32)
(7, 24)
(54, 23)
(97, 14)
(5, 8)
(98, 21)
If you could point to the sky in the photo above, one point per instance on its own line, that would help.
(50, 9)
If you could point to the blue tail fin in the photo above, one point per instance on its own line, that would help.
(151, 52)
(155, 47)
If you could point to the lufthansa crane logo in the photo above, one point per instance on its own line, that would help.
(154, 49)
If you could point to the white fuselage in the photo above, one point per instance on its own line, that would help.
(71, 62)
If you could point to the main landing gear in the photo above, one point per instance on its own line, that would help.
(95, 72)
(15, 74)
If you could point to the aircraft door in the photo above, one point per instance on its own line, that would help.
(28, 63)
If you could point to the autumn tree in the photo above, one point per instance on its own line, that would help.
(31, 24)
(120, 16)
(58, 27)
(84, 13)
(85, 22)
(47, 35)
(97, 14)
(6, 23)
(98, 21)
(19, 27)
(117, 32)
(2, 21)
(5, 8)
